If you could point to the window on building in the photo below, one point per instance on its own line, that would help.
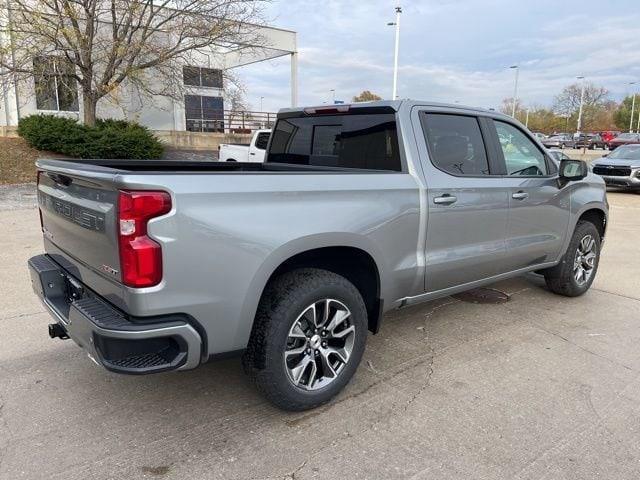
(202, 77)
(204, 114)
(56, 88)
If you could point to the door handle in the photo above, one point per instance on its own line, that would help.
(445, 199)
(252, 153)
(520, 195)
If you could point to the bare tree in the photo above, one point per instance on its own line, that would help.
(102, 44)
(507, 106)
(567, 103)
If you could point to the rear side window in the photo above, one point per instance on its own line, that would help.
(455, 144)
(367, 141)
(262, 141)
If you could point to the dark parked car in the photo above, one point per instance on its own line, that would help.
(590, 141)
(620, 168)
(559, 141)
(624, 139)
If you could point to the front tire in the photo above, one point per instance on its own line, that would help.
(308, 338)
(576, 271)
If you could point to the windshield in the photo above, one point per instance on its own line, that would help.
(628, 152)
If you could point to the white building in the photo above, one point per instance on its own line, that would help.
(200, 109)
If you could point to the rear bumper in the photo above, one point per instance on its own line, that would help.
(111, 338)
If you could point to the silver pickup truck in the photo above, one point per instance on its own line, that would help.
(153, 266)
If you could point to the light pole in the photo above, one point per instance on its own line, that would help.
(261, 98)
(394, 93)
(526, 123)
(633, 107)
(333, 95)
(579, 126)
(515, 91)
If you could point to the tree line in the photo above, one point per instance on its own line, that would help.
(599, 111)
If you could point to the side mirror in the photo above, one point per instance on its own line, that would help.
(605, 154)
(572, 170)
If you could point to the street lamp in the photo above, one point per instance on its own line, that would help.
(261, 98)
(333, 95)
(633, 108)
(515, 91)
(394, 94)
(579, 126)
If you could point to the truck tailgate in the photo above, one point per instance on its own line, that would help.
(79, 219)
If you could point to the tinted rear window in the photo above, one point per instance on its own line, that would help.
(262, 141)
(368, 141)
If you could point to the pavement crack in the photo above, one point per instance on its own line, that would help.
(20, 315)
(292, 475)
(584, 349)
(616, 294)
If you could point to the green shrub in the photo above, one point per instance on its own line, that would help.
(109, 138)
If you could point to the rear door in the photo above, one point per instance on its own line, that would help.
(467, 205)
(538, 207)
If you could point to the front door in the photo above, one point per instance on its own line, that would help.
(467, 205)
(539, 208)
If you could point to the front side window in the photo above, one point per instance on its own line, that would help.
(367, 141)
(455, 144)
(55, 87)
(521, 155)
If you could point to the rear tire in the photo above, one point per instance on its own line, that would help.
(298, 357)
(576, 271)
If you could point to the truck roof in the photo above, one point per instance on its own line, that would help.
(395, 105)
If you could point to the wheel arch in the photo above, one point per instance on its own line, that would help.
(595, 212)
(352, 256)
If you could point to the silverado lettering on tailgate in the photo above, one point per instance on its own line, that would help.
(85, 217)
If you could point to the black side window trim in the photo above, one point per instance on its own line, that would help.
(423, 119)
(551, 169)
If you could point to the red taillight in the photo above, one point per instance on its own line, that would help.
(140, 256)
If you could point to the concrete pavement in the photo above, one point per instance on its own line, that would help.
(539, 387)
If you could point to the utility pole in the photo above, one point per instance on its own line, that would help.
(394, 93)
(579, 126)
(515, 91)
(633, 107)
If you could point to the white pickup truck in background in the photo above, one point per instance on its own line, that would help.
(239, 152)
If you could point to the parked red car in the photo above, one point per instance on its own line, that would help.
(609, 135)
(624, 139)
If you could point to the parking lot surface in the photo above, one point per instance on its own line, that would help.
(539, 387)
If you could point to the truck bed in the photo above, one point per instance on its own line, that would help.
(114, 166)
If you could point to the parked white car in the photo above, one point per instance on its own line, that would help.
(240, 152)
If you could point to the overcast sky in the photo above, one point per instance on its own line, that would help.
(451, 50)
